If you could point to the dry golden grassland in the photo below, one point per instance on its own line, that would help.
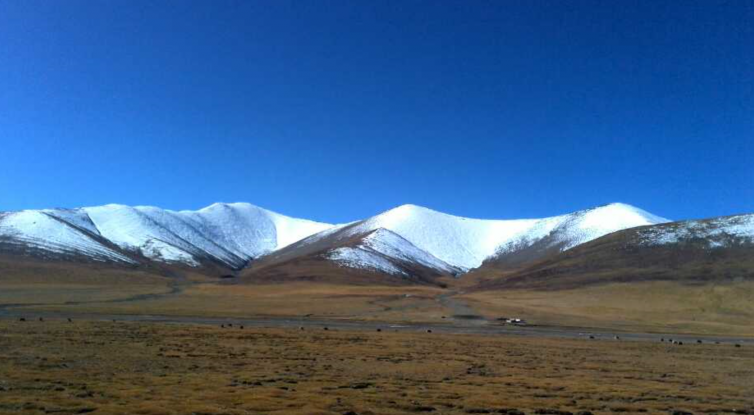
(415, 303)
(669, 307)
(724, 308)
(140, 368)
(39, 282)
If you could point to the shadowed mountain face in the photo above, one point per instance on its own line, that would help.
(719, 249)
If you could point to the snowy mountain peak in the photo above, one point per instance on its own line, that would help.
(223, 205)
(465, 243)
(232, 234)
(626, 211)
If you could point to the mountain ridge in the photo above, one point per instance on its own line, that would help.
(233, 235)
(713, 249)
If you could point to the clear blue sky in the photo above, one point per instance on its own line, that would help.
(337, 110)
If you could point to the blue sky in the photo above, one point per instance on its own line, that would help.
(337, 110)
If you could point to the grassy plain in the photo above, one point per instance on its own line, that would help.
(710, 308)
(396, 303)
(661, 306)
(56, 367)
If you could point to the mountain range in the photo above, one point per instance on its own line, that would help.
(403, 245)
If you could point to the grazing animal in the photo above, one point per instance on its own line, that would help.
(21, 319)
(591, 337)
(738, 345)
(241, 327)
(222, 326)
(326, 328)
(617, 337)
(429, 331)
(699, 341)
(41, 319)
(301, 328)
(69, 320)
(662, 339)
(379, 330)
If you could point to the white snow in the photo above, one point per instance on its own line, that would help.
(38, 229)
(583, 226)
(715, 232)
(380, 248)
(465, 243)
(236, 233)
(167, 253)
(230, 233)
(363, 259)
(75, 217)
(249, 231)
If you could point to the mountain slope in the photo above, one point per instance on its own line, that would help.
(693, 251)
(465, 243)
(347, 255)
(227, 234)
(231, 236)
(63, 234)
(381, 248)
(557, 234)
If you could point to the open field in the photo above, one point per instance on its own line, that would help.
(714, 309)
(723, 308)
(663, 307)
(396, 303)
(137, 368)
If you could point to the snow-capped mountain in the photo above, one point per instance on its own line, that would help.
(231, 234)
(560, 233)
(63, 234)
(346, 253)
(384, 250)
(463, 243)
(717, 249)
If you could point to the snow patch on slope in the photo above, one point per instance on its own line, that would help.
(40, 230)
(381, 248)
(568, 231)
(167, 253)
(363, 259)
(715, 232)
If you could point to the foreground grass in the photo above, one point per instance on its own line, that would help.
(136, 368)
